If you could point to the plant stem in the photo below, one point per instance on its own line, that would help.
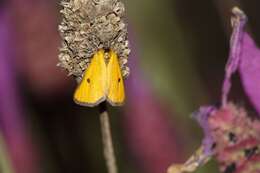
(107, 139)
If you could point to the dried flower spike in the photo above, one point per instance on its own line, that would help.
(95, 49)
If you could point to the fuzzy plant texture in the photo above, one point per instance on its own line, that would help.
(235, 139)
(90, 25)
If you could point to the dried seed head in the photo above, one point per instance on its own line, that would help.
(89, 25)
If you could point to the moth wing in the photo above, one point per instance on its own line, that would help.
(116, 90)
(92, 89)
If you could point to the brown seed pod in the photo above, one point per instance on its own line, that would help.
(89, 25)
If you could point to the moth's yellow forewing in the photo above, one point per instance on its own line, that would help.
(115, 83)
(93, 87)
(101, 82)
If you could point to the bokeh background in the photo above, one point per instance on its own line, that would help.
(179, 50)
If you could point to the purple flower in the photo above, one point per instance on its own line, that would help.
(231, 135)
(236, 48)
(250, 70)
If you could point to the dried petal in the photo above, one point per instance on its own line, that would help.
(202, 117)
(238, 22)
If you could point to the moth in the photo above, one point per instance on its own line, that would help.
(102, 81)
(95, 49)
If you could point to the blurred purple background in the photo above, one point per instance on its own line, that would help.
(179, 50)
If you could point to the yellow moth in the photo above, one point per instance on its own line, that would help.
(102, 81)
